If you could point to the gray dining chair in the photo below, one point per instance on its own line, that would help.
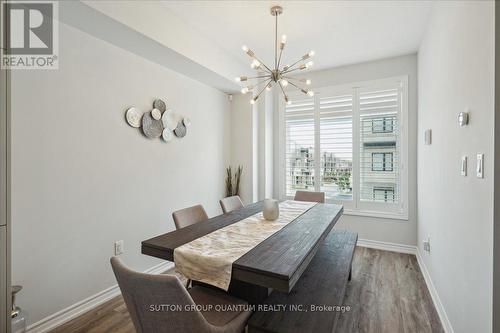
(187, 216)
(149, 299)
(230, 203)
(310, 196)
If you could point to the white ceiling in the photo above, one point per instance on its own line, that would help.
(341, 32)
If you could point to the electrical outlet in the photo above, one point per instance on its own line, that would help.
(119, 247)
(427, 244)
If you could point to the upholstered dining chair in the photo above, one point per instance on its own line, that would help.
(230, 203)
(188, 216)
(149, 299)
(310, 196)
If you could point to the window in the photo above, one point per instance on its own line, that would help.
(350, 142)
(382, 162)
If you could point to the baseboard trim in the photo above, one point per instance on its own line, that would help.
(386, 246)
(434, 295)
(77, 309)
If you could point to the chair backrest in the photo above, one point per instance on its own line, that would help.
(310, 196)
(147, 298)
(230, 203)
(188, 216)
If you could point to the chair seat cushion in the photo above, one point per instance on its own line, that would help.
(228, 307)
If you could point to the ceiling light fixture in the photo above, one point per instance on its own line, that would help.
(268, 77)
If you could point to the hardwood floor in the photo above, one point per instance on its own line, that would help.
(387, 294)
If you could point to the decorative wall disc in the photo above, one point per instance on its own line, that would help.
(133, 117)
(169, 120)
(167, 135)
(156, 114)
(180, 131)
(152, 128)
(160, 105)
(186, 122)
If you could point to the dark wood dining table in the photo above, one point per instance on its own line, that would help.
(276, 263)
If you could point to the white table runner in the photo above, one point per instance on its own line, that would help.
(209, 259)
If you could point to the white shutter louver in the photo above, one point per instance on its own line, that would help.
(335, 114)
(379, 111)
(299, 146)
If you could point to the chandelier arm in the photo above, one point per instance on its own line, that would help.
(262, 63)
(279, 59)
(282, 90)
(292, 65)
(290, 70)
(291, 78)
(262, 81)
(260, 92)
(258, 77)
(296, 86)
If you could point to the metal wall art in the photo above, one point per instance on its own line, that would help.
(159, 122)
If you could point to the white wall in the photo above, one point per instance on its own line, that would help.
(242, 142)
(378, 229)
(456, 73)
(82, 178)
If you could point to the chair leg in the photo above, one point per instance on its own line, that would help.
(350, 275)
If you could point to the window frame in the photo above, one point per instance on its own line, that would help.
(398, 211)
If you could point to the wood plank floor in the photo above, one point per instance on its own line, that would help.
(387, 294)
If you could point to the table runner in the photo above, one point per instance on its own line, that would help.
(210, 258)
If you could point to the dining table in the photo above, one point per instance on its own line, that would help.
(276, 263)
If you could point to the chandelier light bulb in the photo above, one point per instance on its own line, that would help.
(310, 93)
(284, 82)
(244, 90)
(237, 79)
(269, 86)
(255, 64)
(289, 102)
(252, 101)
(311, 53)
(283, 39)
(245, 48)
(309, 64)
(308, 82)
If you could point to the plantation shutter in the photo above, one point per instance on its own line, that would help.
(379, 151)
(336, 146)
(299, 146)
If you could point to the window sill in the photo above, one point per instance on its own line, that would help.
(382, 215)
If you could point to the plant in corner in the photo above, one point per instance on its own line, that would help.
(230, 191)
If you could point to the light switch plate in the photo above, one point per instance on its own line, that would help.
(428, 136)
(463, 169)
(480, 166)
(119, 247)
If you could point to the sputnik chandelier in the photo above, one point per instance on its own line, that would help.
(268, 77)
